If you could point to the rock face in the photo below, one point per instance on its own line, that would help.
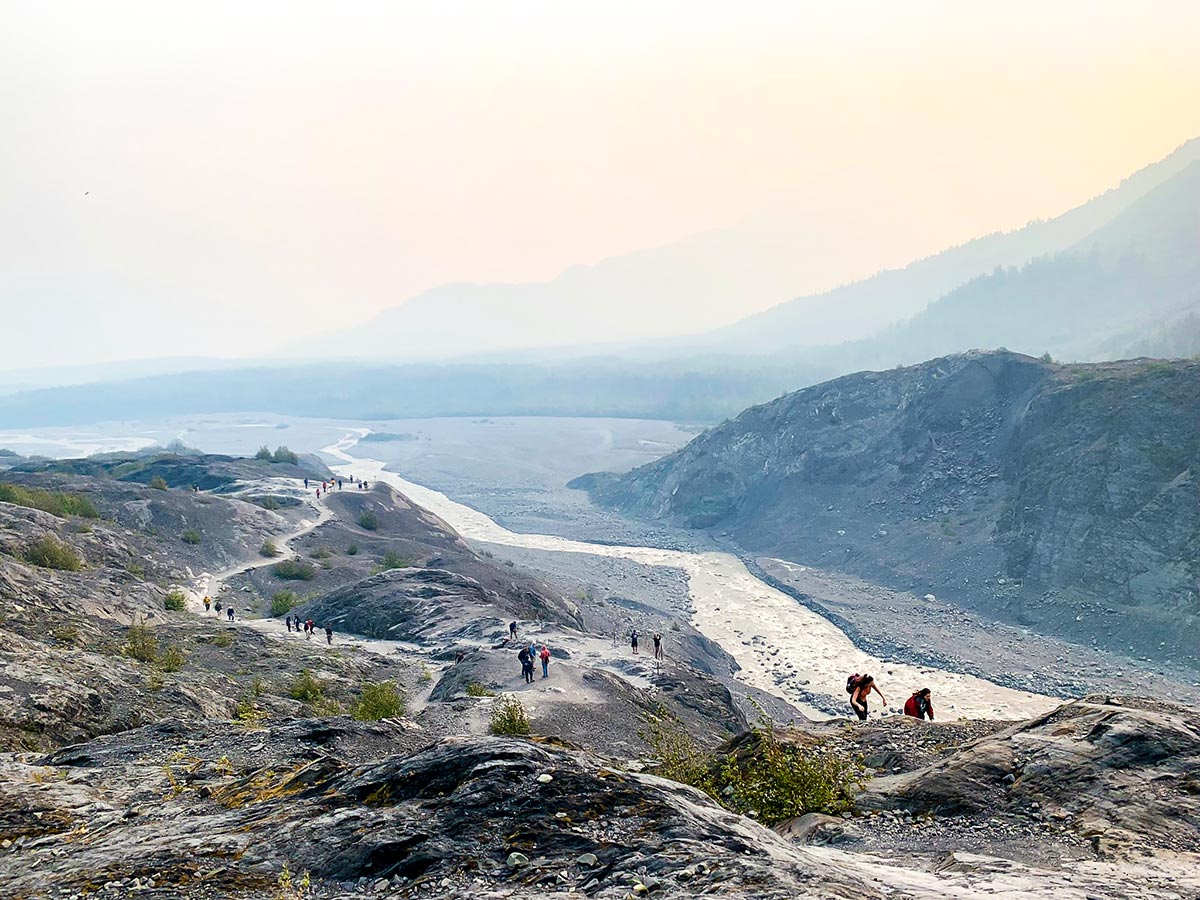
(459, 818)
(1117, 770)
(1059, 497)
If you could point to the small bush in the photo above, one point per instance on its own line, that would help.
(140, 643)
(49, 552)
(382, 700)
(57, 504)
(284, 455)
(191, 536)
(368, 520)
(223, 638)
(322, 553)
(393, 560)
(136, 570)
(269, 549)
(307, 688)
(264, 452)
(247, 712)
(158, 483)
(67, 634)
(508, 717)
(154, 681)
(352, 550)
(176, 601)
(171, 659)
(282, 602)
(294, 570)
(475, 689)
(774, 781)
(268, 502)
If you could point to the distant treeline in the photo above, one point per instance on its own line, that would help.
(688, 391)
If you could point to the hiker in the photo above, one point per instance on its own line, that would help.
(919, 705)
(329, 634)
(533, 652)
(288, 622)
(207, 602)
(229, 610)
(512, 631)
(526, 665)
(459, 657)
(308, 627)
(545, 658)
(859, 687)
(633, 638)
(657, 645)
(306, 484)
(217, 607)
(339, 484)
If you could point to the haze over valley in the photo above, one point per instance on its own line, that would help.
(578, 450)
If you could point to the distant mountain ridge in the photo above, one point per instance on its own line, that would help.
(858, 310)
(1065, 498)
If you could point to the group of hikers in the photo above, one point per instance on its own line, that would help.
(293, 623)
(338, 483)
(308, 627)
(657, 637)
(529, 656)
(860, 687)
(210, 603)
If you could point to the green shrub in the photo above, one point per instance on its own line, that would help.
(382, 700)
(772, 780)
(176, 601)
(140, 643)
(264, 452)
(368, 520)
(508, 717)
(352, 550)
(294, 570)
(284, 455)
(268, 502)
(67, 634)
(223, 638)
(49, 552)
(269, 549)
(136, 570)
(191, 536)
(171, 659)
(307, 688)
(393, 560)
(475, 689)
(322, 553)
(282, 602)
(158, 483)
(57, 504)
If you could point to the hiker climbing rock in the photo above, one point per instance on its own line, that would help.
(919, 705)
(859, 687)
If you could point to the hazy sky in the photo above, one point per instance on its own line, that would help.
(217, 178)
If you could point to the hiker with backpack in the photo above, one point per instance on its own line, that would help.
(526, 665)
(633, 641)
(859, 688)
(919, 705)
(512, 631)
(544, 656)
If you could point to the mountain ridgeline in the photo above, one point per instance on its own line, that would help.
(1062, 498)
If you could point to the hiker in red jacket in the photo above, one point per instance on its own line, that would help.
(919, 706)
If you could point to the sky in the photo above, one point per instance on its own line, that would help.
(219, 179)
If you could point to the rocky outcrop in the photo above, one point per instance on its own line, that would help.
(465, 817)
(1119, 771)
(1059, 497)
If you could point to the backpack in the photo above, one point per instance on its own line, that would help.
(852, 683)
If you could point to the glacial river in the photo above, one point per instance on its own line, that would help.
(783, 648)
